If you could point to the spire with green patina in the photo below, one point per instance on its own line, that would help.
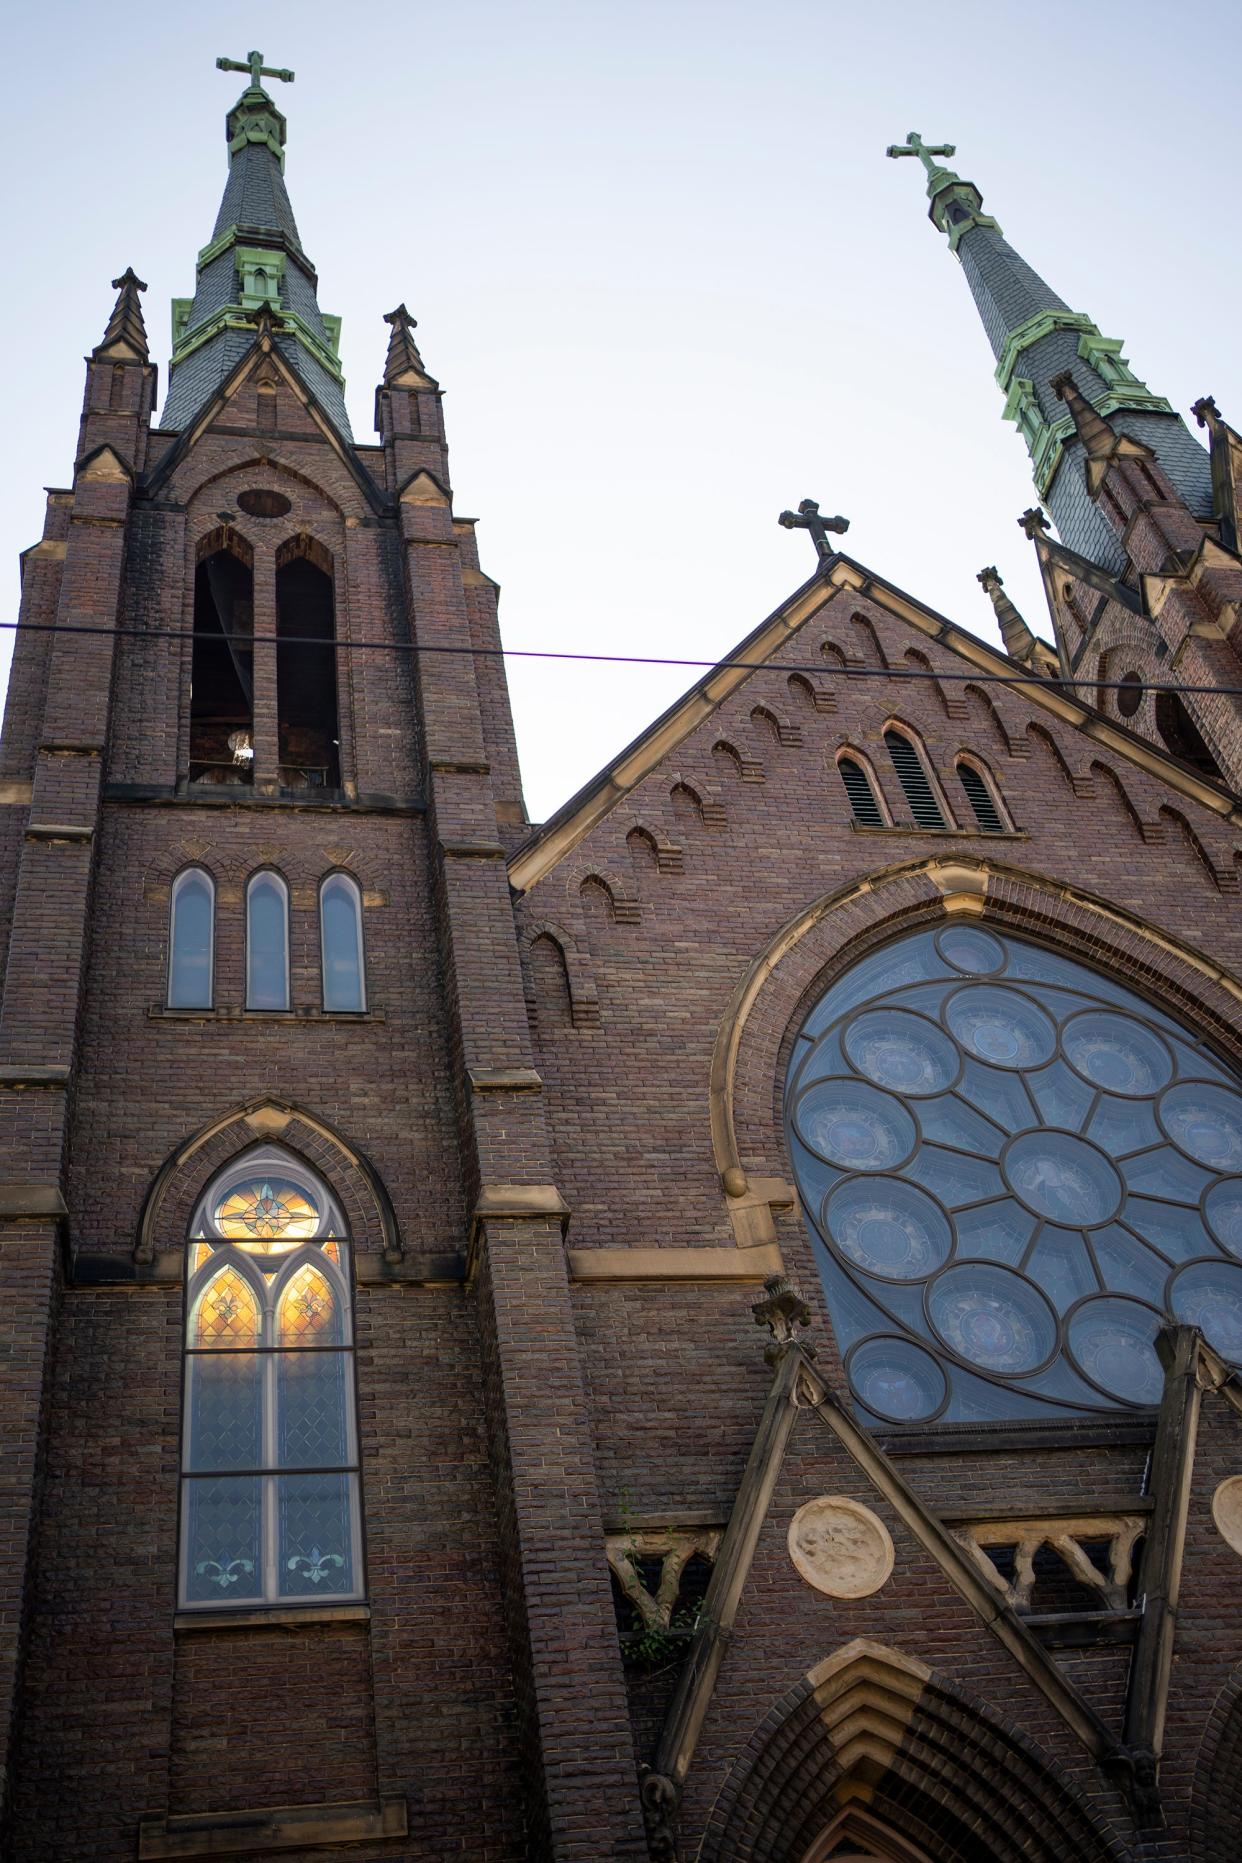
(253, 260)
(1035, 337)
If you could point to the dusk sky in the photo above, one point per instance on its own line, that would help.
(662, 269)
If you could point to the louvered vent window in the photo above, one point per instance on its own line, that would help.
(980, 799)
(914, 781)
(862, 797)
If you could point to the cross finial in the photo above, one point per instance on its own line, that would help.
(807, 517)
(1033, 522)
(926, 152)
(257, 69)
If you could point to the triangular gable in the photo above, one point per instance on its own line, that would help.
(272, 362)
(565, 829)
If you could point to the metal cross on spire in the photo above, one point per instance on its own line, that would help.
(807, 517)
(926, 152)
(257, 69)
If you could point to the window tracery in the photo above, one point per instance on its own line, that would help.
(1013, 1170)
(270, 1502)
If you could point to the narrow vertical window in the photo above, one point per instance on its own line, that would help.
(270, 1500)
(862, 797)
(980, 799)
(190, 940)
(222, 669)
(267, 942)
(914, 780)
(340, 936)
(306, 695)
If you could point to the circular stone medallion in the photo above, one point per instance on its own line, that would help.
(1227, 1511)
(840, 1547)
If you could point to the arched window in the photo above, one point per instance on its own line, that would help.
(306, 695)
(979, 795)
(863, 801)
(270, 1508)
(913, 776)
(191, 940)
(340, 939)
(1013, 1170)
(267, 942)
(222, 669)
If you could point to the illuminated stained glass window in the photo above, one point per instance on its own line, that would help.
(1014, 1171)
(270, 1498)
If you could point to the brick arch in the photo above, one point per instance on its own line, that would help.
(223, 537)
(935, 1766)
(1216, 1790)
(819, 943)
(267, 472)
(181, 1179)
(301, 543)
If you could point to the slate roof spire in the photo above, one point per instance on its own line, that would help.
(254, 258)
(1035, 337)
(126, 334)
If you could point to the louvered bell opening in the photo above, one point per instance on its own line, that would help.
(913, 779)
(862, 796)
(980, 799)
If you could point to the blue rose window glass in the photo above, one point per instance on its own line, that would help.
(1014, 1171)
(269, 1490)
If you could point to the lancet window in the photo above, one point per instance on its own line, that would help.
(191, 940)
(1014, 1170)
(864, 803)
(340, 936)
(306, 696)
(222, 667)
(270, 1510)
(983, 802)
(915, 780)
(267, 942)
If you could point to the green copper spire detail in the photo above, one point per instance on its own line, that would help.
(254, 117)
(956, 205)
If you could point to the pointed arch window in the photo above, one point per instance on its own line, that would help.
(864, 803)
(340, 939)
(915, 780)
(270, 1509)
(191, 940)
(267, 942)
(984, 803)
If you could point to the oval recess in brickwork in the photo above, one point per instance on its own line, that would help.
(1227, 1511)
(263, 504)
(840, 1547)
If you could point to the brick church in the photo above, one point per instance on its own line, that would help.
(701, 1329)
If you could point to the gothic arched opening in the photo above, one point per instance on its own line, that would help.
(306, 695)
(1182, 735)
(222, 667)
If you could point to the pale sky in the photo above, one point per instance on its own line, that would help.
(662, 269)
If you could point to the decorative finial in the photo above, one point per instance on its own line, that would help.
(990, 578)
(1206, 411)
(926, 152)
(1020, 643)
(781, 1310)
(126, 331)
(403, 360)
(257, 69)
(807, 517)
(1033, 523)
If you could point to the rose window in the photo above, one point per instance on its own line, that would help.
(1014, 1171)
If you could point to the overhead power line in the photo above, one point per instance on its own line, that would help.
(822, 669)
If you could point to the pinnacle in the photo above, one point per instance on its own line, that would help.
(403, 357)
(126, 326)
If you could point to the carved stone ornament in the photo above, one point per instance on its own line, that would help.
(1227, 1511)
(840, 1547)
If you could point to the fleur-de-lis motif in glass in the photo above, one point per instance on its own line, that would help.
(228, 1314)
(319, 1566)
(224, 1575)
(308, 1309)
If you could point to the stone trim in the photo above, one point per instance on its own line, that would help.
(618, 1267)
(290, 1617)
(282, 1827)
(19, 1200)
(505, 1080)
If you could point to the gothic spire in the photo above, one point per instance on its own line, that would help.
(126, 334)
(253, 259)
(403, 361)
(1035, 337)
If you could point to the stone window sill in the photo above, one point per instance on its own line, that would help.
(160, 1012)
(265, 1617)
(947, 834)
(277, 1827)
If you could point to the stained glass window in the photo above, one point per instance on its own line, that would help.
(270, 1501)
(1013, 1171)
(340, 930)
(267, 942)
(190, 940)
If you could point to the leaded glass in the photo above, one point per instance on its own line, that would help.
(267, 943)
(340, 930)
(270, 1453)
(1014, 1171)
(190, 939)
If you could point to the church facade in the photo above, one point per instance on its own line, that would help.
(702, 1329)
